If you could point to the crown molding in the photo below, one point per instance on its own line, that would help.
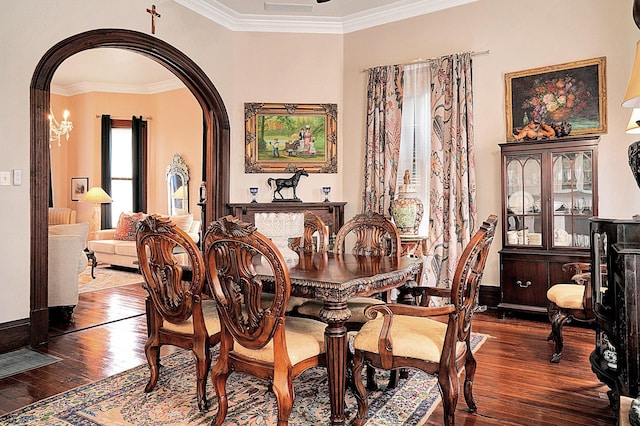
(137, 89)
(232, 20)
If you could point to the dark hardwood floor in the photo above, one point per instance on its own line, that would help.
(515, 383)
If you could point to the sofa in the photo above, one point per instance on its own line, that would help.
(117, 246)
(67, 260)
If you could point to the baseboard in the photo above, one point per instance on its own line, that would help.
(14, 335)
(489, 296)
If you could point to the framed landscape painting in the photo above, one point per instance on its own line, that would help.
(574, 93)
(287, 137)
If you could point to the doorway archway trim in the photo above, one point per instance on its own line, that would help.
(216, 145)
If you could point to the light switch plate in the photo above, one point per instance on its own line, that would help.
(17, 177)
(5, 178)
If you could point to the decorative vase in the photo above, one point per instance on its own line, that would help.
(561, 114)
(407, 210)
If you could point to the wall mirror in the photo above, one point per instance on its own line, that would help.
(178, 186)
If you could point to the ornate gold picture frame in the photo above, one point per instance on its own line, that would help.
(574, 92)
(288, 137)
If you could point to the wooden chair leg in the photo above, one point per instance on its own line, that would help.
(470, 372)
(558, 320)
(449, 384)
(361, 392)
(203, 363)
(219, 379)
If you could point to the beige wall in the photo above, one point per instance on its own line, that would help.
(252, 67)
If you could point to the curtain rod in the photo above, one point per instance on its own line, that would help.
(425, 61)
(125, 118)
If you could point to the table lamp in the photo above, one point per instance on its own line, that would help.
(97, 196)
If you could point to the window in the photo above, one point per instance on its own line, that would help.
(121, 172)
(415, 141)
(124, 147)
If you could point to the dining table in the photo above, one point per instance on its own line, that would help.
(334, 279)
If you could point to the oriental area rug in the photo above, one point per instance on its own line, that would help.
(106, 277)
(120, 399)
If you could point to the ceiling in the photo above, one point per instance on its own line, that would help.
(92, 70)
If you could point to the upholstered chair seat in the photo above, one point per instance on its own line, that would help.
(568, 296)
(412, 337)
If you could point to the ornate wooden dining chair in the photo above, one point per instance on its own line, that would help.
(570, 301)
(313, 224)
(177, 311)
(256, 339)
(404, 336)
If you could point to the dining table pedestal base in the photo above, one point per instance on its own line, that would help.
(336, 315)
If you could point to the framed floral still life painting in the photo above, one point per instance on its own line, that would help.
(570, 98)
(287, 137)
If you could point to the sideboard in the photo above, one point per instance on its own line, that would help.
(331, 213)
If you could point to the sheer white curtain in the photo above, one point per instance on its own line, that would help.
(415, 145)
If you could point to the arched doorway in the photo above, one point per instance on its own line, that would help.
(216, 145)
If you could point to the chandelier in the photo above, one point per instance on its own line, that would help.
(58, 129)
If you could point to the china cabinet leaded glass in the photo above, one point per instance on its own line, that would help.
(549, 192)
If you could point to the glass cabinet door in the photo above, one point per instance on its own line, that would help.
(572, 198)
(523, 195)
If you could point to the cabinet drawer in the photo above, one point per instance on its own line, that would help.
(524, 283)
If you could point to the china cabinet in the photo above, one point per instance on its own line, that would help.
(616, 304)
(549, 192)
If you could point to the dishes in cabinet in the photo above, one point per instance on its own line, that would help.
(561, 237)
(520, 200)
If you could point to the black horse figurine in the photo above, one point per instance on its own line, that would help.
(291, 182)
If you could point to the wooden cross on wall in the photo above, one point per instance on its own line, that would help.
(153, 14)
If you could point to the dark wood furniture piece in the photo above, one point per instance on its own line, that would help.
(334, 280)
(313, 224)
(549, 192)
(400, 336)
(616, 304)
(331, 213)
(569, 301)
(177, 312)
(256, 339)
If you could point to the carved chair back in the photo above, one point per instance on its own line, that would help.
(159, 244)
(230, 248)
(313, 224)
(375, 235)
(468, 275)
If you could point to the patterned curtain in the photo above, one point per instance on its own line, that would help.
(452, 200)
(384, 118)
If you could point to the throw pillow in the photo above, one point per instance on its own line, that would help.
(182, 221)
(127, 226)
